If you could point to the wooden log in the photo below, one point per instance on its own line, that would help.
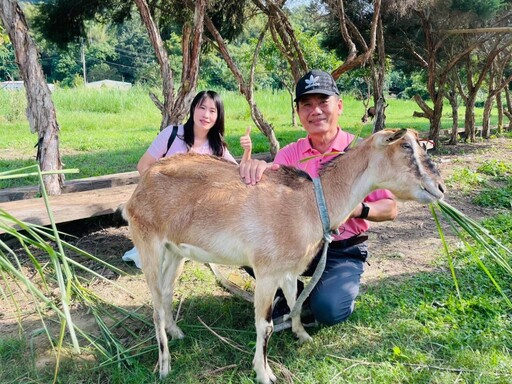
(78, 185)
(70, 206)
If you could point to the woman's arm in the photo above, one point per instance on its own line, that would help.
(145, 162)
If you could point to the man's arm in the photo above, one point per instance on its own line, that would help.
(380, 210)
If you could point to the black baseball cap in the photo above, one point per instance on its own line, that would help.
(316, 81)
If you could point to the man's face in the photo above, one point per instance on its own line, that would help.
(319, 113)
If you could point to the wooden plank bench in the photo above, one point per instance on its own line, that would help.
(461, 131)
(70, 206)
(78, 185)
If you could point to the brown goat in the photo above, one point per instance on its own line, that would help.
(197, 207)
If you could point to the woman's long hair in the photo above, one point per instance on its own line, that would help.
(216, 133)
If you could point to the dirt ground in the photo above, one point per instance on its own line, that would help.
(400, 248)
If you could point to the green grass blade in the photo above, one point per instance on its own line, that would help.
(64, 288)
(481, 237)
(447, 253)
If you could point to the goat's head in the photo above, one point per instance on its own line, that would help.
(414, 176)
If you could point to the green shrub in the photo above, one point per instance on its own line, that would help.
(495, 197)
(496, 168)
(465, 179)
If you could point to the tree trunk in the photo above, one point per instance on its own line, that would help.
(499, 105)
(454, 136)
(435, 123)
(508, 111)
(292, 106)
(163, 62)
(469, 123)
(355, 59)
(40, 108)
(494, 91)
(245, 89)
(283, 36)
(378, 78)
(175, 109)
(486, 120)
(379, 122)
(427, 113)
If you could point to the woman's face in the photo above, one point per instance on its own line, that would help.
(205, 114)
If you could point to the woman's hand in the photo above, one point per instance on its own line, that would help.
(246, 144)
(251, 170)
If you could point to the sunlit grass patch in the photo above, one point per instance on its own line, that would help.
(465, 179)
(495, 197)
(496, 168)
(501, 226)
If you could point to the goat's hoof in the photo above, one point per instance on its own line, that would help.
(175, 333)
(164, 372)
(268, 379)
(265, 375)
(271, 376)
(304, 337)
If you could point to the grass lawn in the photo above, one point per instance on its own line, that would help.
(403, 331)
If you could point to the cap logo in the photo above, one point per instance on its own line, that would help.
(312, 82)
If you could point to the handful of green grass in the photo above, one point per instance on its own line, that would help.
(475, 238)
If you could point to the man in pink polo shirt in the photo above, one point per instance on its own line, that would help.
(319, 107)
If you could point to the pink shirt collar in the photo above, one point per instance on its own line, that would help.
(313, 165)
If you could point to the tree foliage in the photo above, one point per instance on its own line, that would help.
(63, 21)
(8, 68)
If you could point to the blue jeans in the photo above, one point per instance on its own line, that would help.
(333, 298)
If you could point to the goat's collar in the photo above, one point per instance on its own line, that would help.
(322, 209)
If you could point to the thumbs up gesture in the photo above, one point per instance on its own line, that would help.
(246, 144)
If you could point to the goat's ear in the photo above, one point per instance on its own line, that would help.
(391, 136)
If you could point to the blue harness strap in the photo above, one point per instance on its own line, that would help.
(326, 225)
(322, 209)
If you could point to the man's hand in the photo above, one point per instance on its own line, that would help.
(252, 170)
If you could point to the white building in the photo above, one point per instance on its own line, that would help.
(18, 85)
(109, 84)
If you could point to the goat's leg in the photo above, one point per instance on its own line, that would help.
(290, 293)
(171, 268)
(157, 271)
(266, 288)
(151, 268)
(161, 337)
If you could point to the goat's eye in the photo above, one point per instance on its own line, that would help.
(406, 146)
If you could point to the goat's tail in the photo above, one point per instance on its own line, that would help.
(120, 217)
